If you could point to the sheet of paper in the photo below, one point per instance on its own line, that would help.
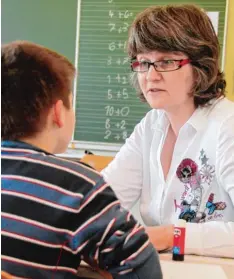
(178, 270)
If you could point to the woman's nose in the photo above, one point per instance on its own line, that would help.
(152, 74)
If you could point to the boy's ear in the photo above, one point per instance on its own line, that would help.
(58, 113)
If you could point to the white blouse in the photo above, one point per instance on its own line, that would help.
(200, 184)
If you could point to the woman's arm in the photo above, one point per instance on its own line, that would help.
(217, 238)
(124, 173)
(209, 239)
(212, 238)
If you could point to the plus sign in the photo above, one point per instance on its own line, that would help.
(120, 44)
(119, 95)
(118, 61)
(118, 78)
(117, 137)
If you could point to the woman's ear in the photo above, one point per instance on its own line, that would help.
(58, 113)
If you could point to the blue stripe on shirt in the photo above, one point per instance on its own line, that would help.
(41, 191)
(28, 230)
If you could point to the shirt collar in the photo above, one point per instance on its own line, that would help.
(197, 121)
(200, 116)
(162, 121)
(21, 145)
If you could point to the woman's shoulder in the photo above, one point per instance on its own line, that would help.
(222, 108)
(221, 118)
(221, 113)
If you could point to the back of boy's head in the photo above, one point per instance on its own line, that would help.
(33, 79)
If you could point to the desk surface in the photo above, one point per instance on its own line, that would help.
(226, 264)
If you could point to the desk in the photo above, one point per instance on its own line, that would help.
(227, 266)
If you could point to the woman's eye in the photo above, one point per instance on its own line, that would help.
(167, 62)
(144, 63)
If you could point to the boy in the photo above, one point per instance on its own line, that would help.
(56, 212)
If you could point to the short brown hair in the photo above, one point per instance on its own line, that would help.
(186, 29)
(33, 78)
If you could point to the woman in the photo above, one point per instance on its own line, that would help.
(179, 160)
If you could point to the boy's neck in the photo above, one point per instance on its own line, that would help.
(41, 141)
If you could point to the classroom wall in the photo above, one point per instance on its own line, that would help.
(229, 54)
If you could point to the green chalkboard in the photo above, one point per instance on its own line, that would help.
(93, 34)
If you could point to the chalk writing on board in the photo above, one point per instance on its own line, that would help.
(116, 120)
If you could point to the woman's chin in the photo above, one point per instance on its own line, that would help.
(157, 104)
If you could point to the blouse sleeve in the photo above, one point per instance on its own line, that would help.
(124, 173)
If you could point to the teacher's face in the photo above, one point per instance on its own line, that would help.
(166, 90)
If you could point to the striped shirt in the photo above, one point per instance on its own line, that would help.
(56, 212)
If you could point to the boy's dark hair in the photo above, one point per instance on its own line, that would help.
(183, 28)
(33, 79)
